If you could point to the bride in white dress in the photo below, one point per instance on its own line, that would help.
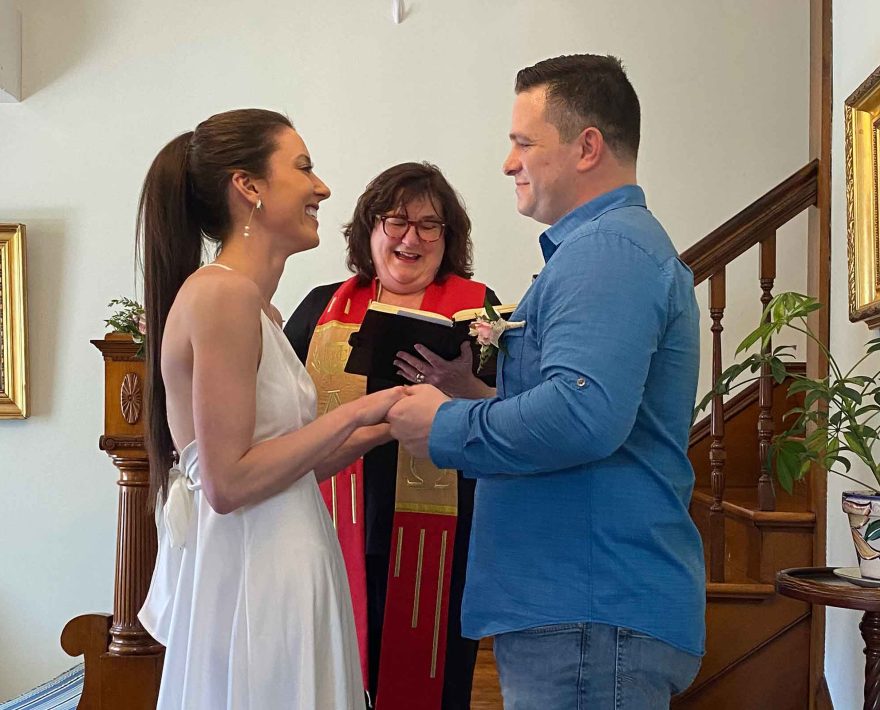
(249, 593)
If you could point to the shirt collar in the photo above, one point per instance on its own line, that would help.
(555, 234)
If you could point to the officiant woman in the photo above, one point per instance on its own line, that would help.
(403, 524)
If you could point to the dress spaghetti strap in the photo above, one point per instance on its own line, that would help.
(214, 263)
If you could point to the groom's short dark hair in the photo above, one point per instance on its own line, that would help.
(586, 90)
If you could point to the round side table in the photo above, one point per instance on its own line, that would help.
(819, 585)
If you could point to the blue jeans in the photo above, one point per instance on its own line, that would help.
(586, 666)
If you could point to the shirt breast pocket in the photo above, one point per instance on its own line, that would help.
(511, 359)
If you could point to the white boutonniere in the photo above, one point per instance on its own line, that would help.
(488, 329)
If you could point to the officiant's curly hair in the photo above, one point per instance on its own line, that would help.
(183, 203)
(392, 190)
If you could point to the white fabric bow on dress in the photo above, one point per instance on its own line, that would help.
(178, 509)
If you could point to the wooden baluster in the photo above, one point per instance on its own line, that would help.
(717, 453)
(766, 493)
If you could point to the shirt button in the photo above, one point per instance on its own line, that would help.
(581, 381)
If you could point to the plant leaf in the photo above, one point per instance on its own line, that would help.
(778, 350)
(759, 333)
(786, 466)
(777, 368)
(815, 396)
(817, 440)
(865, 432)
(850, 393)
(490, 311)
(801, 384)
(857, 446)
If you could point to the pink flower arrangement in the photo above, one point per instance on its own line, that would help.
(483, 331)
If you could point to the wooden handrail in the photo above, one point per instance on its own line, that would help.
(764, 216)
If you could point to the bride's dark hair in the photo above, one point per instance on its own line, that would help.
(184, 202)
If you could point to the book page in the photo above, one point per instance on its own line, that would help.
(471, 313)
(429, 316)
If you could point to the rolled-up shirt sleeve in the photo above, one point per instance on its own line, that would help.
(597, 317)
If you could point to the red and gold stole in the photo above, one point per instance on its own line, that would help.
(425, 512)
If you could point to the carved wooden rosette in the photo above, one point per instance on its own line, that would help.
(123, 662)
(131, 397)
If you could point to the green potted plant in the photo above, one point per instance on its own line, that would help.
(129, 319)
(835, 426)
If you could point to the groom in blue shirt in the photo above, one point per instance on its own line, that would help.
(584, 562)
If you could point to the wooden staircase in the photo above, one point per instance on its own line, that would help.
(757, 642)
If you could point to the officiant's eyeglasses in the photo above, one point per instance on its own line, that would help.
(396, 227)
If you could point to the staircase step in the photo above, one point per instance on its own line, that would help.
(757, 543)
(738, 591)
(774, 673)
(741, 618)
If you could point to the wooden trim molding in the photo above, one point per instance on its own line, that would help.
(118, 346)
(113, 443)
(819, 285)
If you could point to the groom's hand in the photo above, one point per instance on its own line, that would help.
(412, 416)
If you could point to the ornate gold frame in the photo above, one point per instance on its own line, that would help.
(862, 127)
(13, 323)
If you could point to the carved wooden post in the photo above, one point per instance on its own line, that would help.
(766, 494)
(123, 663)
(717, 453)
(135, 554)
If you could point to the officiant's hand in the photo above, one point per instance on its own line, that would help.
(454, 377)
(412, 416)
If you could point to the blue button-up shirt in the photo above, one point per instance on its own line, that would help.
(581, 510)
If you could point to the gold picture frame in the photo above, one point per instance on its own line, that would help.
(862, 129)
(13, 323)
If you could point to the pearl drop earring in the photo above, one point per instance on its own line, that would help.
(247, 227)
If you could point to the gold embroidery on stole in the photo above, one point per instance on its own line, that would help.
(328, 353)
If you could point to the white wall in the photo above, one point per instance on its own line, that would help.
(723, 85)
(856, 53)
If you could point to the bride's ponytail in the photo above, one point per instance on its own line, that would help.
(183, 202)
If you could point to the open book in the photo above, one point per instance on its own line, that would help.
(387, 330)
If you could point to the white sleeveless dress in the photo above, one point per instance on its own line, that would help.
(254, 606)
